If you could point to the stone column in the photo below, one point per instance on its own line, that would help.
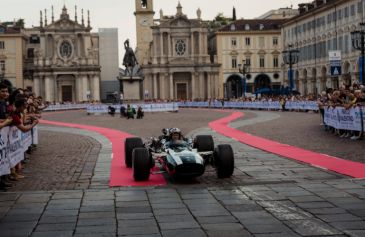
(84, 87)
(192, 44)
(36, 86)
(154, 58)
(193, 84)
(78, 88)
(200, 43)
(55, 89)
(162, 86)
(49, 88)
(96, 87)
(155, 92)
(201, 85)
(171, 85)
(209, 85)
(169, 44)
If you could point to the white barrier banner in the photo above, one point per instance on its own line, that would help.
(159, 107)
(4, 152)
(26, 139)
(16, 151)
(65, 107)
(346, 119)
(35, 135)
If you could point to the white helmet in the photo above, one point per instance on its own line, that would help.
(175, 130)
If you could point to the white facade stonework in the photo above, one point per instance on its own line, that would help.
(66, 60)
(323, 26)
(176, 64)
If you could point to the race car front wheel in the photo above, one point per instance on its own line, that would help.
(224, 161)
(204, 143)
(130, 144)
(141, 164)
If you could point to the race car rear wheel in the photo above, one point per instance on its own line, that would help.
(204, 143)
(141, 164)
(129, 145)
(224, 161)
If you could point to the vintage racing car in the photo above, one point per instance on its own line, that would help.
(184, 159)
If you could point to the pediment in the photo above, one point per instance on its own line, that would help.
(65, 24)
(247, 53)
(261, 51)
(180, 22)
(275, 52)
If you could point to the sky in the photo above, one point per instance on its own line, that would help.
(119, 13)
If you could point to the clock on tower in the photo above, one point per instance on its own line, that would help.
(144, 21)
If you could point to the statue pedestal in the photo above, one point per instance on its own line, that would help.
(132, 87)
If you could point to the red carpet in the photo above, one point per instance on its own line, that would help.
(120, 175)
(349, 168)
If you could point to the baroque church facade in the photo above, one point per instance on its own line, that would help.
(64, 59)
(173, 53)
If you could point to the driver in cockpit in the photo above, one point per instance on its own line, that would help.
(176, 138)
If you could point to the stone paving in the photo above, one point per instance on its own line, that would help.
(267, 196)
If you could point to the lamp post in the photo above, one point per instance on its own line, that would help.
(358, 42)
(244, 68)
(290, 57)
(2, 74)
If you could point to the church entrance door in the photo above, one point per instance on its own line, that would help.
(67, 93)
(181, 91)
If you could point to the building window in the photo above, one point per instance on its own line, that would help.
(248, 41)
(247, 27)
(275, 41)
(262, 61)
(248, 61)
(65, 49)
(234, 62)
(2, 66)
(352, 10)
(180, 47)
(276, 62)
(34, 39)
(2, 45)
(234, 42)
(30, 53)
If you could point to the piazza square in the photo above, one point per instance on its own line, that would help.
(182, 118)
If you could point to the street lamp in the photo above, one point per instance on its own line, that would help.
(358, 42)
(291, 57)
(244, 68)
(2, 74)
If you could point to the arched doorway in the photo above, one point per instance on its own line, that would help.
(234, 87)
(262, 81)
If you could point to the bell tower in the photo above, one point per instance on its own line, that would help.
(144, 21)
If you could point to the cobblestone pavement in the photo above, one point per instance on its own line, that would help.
(287, 125)
(268, 196)
(56, 165)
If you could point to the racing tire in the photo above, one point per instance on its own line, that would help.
(141, 164)
(204, 143)
(224, 161)
(129, 145)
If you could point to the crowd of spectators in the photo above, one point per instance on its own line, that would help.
(22, 109)
(346, 97)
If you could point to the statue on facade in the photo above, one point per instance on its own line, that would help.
(129, 61)
(144, 3)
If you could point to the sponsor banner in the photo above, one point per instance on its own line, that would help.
(16, 151)
(158, 107)
(4, 152)
(26, 139)
(275, 105)
(346, 119)
(57, 107)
